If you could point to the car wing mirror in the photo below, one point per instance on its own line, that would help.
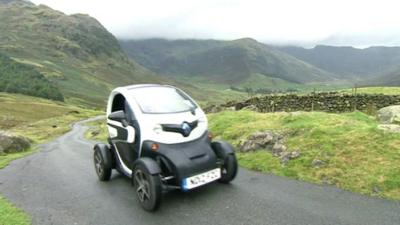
(119, 116)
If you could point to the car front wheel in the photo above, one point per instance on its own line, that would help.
(102, 171)
(229, 169)
(147, 187)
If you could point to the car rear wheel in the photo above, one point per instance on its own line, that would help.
(102, 171)
(229, 169)
(147, 187)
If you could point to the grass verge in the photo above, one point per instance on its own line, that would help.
(10, 215)
(5, 159)
(356, 155)
(97, 130)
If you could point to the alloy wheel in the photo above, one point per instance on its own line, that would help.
(97, 163)
(143, 186)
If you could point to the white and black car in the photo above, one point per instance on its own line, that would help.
(158, 137)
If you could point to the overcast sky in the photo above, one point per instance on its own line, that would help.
(299, 22)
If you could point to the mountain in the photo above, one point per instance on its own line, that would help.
(349, 62)
(75, 52)
(17, 77)
(391, 79)
(229, 62)
(153, 52)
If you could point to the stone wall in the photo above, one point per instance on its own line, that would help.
(327, 102)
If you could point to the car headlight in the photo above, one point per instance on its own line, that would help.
(157, 129)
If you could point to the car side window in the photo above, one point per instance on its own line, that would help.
(118, 103)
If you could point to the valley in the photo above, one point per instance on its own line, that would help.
(57, 69)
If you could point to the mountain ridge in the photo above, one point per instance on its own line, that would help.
(349, 62)
(223, 61)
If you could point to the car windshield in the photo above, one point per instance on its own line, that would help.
(162, 100)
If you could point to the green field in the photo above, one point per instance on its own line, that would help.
(259, 81)
(357, 156)
(375, 90)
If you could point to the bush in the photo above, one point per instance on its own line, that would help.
(20, 78)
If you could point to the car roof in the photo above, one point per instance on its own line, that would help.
(130, 87)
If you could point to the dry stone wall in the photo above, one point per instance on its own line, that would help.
(327, 102)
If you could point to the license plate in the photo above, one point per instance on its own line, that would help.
(200, 179)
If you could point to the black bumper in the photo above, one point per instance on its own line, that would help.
(184, 159)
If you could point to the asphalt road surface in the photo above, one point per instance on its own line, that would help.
(58, 185)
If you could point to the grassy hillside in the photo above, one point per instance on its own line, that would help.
(228, 62)
(74, 51)
(350, 160)
(349, 62)
(152, 52)
(17, 109)
(17, 77)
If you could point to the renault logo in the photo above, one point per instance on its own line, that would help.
(186, 129)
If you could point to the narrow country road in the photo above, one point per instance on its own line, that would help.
(58, 185)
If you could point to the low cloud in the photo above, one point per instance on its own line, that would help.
(307, 23)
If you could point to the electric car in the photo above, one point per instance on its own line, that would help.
(158, 137)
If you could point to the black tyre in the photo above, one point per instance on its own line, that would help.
(103, 172)
(147, 187)
(229, 169)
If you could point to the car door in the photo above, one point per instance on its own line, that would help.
(124, 136)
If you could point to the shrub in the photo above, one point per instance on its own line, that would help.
(25, 79)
